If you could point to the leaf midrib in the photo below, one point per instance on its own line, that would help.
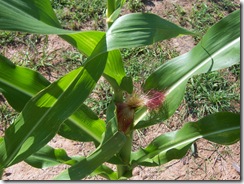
(16, 87)
(187, 141)
(193, 70)
(56, 30)
(13, 154)
(30, 95)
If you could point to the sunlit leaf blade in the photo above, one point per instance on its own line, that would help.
(48, 109)
(128, 31)
(114, 15)
(29, 15)
(218, 49)
(85, 42)
(83, 125)
(38, 17)
(140, 29)
(134, 30)
(60, 99)
(19, 85)
(105, 172)
(222, 42)
(93, 161)
(48, 157)
(222, 128)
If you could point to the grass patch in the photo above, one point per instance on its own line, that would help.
(7, 115)
(80, 14)
(141, 62)
(135, 6)
(100, 98)
(206, 13)
(211, 92)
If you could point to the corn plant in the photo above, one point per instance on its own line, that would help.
(46, 109)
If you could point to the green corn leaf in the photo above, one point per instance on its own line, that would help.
(114, 15)
(218, 49)
(83, 125)
(29, 15)
(105, 172)
(222, 43)
(48, 157)
(114, 71)
(59, 100)
(43, 114)
(116, 7)
(103, 153)
(19, 85)
(222, 128)
(85, 42)
(140, 29)
(131, 30)
(38, 17)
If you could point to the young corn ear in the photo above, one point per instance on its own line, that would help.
(125, 116)
(125, 111)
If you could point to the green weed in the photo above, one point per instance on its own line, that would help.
(7, 115)
(141, 62)
(209, 93)
(100, 99)
(16, 39)
(135, 5)
(80, 14)
(227, 5)
(204, 14)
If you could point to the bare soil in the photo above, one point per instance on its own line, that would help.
(214, 162)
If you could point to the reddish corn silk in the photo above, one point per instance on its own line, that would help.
(154, 99)
(125, 111)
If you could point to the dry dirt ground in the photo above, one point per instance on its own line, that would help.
(213, 162)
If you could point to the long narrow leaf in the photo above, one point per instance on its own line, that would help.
(50, 108)
(221, 128)
(218, 49)
(140, 29)
(98, 157)
(105, 172)
(85, 42)
(38, 17)
(57, 102)
(131, 30)
(48, 157)
(29, 15)
(19, 85)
